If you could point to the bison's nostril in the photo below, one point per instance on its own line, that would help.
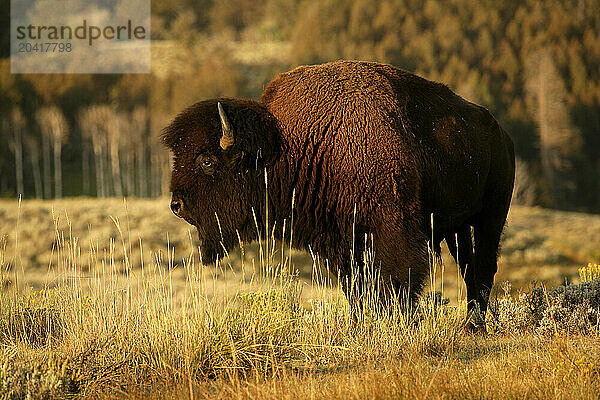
(176, 207)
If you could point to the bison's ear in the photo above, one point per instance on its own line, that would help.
(227, 139)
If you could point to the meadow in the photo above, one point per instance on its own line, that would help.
(106, 298)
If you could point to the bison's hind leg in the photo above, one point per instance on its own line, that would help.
(462, 252)
(487, 234)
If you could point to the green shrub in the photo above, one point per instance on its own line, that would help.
(571, 308)
(52, 379)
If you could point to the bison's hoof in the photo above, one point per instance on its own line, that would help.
(477, 328)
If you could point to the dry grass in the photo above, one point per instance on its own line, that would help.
(538, 244)
(96, 307)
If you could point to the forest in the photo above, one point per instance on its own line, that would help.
(534, 64)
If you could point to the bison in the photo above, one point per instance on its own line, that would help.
(367, 148)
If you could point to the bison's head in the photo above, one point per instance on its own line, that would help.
(220, 148)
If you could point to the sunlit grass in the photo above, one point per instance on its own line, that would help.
(589, 273)
(134, 321)
(106, 322)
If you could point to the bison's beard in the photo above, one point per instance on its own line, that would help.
(210, 251)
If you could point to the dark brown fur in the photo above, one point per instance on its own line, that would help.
(353, 134)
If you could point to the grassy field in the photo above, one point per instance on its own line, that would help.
(538, 244)
(106, 298)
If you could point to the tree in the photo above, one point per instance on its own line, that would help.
(560, 142)
(139, 127)
(53, 125)
(159, 159)
(91, 121)
(17, 123)
(47, 169)
(32, 145)
(112, 127)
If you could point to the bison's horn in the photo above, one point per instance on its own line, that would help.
(227, 138)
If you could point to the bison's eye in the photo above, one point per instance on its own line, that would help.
(206, 163)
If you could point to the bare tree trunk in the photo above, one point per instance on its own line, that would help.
(46, 163)
(33, 149)
(85, 168)
(155, 174)
(89, 131)
(99, 163)
(97, 126)
(114, 159)
(142, 167)
(37, 179)
(19, 161)
(53, 124)
(560, 141)
(17, 124)
(139, 124)
(57, 167)
(165, 176)
(151, 174)
(99, 174)
(125, 156)
(160, 163)
(130, 173)
(130, 155)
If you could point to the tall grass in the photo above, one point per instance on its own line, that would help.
(116, 325)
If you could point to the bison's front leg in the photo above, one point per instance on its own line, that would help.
(401, 254)
(392, 268)
(360, 281)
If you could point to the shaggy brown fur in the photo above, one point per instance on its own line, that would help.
(352, 134)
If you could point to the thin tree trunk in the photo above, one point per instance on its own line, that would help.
(100, 172)
(130, 167)
(99, 177)
(98, 164)
(19, 161)
(115, 168)
(142, 169)
(33, 150)
(37, 178)
(155, 174)
(166, 171)
(85, 169)
(46, 163)
(17, 123)
(113, 134)
(139, 124)
(57, 168)
(89, 123)
(149, 183)
(53, 125)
